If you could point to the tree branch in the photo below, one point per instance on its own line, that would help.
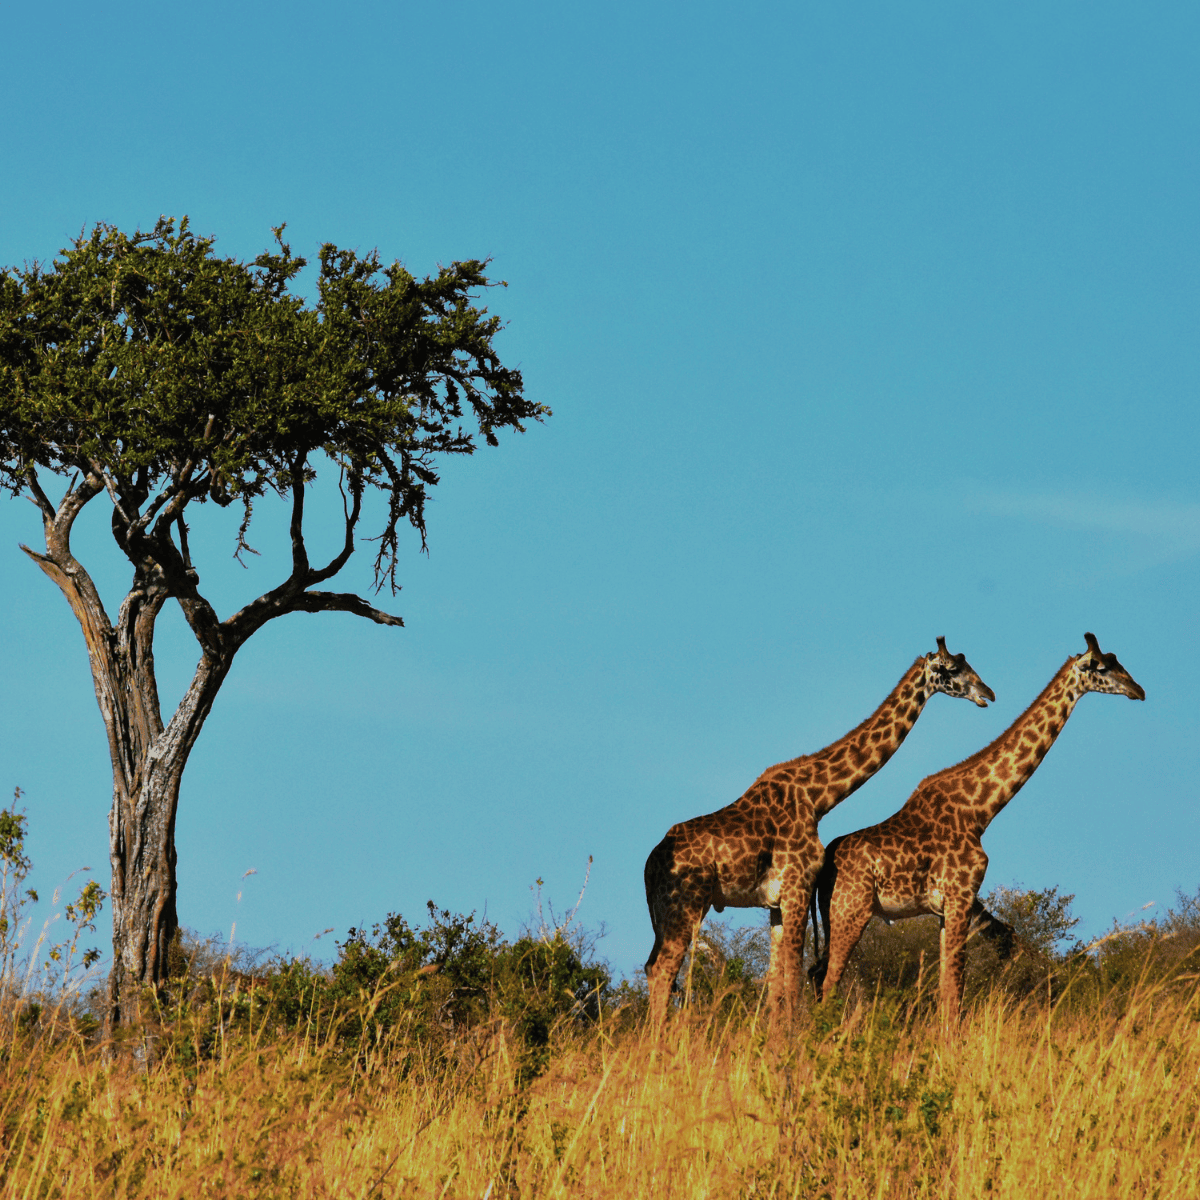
(58, 529)
(98, 470)
(299, 550)
(343, 602)
(185, 553)
(288, 598)
(351, 516)
(39, 496)
(200, 615)
(402, 499)
(175, 498)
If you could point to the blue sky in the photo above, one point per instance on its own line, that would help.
(858, 327)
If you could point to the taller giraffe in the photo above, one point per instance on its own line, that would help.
(928, 857)
(762, 850)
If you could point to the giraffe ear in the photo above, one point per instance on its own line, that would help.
(1092, 644)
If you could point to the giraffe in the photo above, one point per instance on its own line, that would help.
(928, 857)
(762, 850)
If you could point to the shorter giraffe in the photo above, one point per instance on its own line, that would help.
(762, 850)
(928, 857)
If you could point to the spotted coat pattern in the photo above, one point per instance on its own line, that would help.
(928, 857)
(762, 850)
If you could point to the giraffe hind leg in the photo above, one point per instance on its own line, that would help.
(676, 906)
(655, 951)
(670, 949)
(662, 901)
(849, 916)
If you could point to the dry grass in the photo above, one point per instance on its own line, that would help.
(1021, 1102)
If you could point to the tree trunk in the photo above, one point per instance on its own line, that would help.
(141, 850)
(141, 829)
(147, 759)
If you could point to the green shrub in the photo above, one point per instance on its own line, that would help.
(397, 989)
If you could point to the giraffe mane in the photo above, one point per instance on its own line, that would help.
(789, 762)
(987, 750)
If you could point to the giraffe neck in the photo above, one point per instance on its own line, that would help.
(852, 760)
(991, 778)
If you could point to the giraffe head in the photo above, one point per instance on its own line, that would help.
(952, 674)
(1096, 671)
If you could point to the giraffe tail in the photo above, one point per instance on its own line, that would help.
(819, 907)
(658, 866)
(812, 913)
(657, 863)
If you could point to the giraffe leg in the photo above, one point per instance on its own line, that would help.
(955, 923)
(674, 929)
(775, 969)
(793, 908)
(651, 967)
(662, 971)
(850, 911)
(677, 899)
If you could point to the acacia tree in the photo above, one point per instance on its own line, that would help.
(148, 373)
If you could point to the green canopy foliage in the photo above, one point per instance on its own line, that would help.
(176, 375)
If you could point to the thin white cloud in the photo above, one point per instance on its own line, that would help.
(1171, 528)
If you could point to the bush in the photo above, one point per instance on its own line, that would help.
(1042, 921)
(399, 990)
(1164, 953)
(432, 979)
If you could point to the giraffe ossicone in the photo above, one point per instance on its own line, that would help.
(929, 857)
(762, 850)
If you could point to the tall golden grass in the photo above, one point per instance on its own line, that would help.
(869, 1100)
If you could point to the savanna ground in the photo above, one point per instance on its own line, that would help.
(444, 1061)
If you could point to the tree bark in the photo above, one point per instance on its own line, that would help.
(141, 829)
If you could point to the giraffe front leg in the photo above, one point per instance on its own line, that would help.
(787, 947)
(775, 969)
(955, 923)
